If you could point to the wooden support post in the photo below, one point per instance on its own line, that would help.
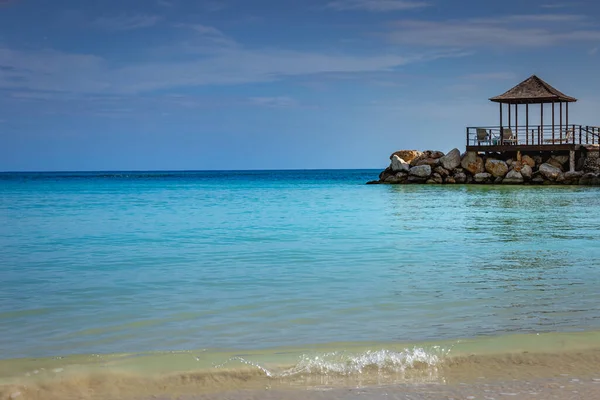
(541, 139)
(553, 124)
(527, 125)
(501, 127)
(517, 123)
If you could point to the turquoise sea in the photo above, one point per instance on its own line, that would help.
(242, 262)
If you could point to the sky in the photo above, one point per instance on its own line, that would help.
(273, 84)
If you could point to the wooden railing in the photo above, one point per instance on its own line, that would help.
(540, 135)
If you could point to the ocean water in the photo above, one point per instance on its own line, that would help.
(240, 268)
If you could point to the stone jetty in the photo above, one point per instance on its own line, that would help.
(435, 167)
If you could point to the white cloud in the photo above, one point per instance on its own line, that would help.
(376, 5)
(126, 22)
(540, 30)
(50, 70)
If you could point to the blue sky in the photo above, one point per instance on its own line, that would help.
(270, 84)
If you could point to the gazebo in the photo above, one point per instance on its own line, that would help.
(516, 133)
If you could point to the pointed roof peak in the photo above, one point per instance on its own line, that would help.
(533, 90)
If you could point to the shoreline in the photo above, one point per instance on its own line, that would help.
(336, 366)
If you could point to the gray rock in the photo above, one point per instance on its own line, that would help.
(442, 171)
(399, 165)
(451, 160)
(588, 179)
(526, 172)
(513, 177)
(436, 154)
(498, 180)
(538, 180)
(373, 182)
(435, 178)
(497, 168)
(573, 175)
(460, 177)
(483, 177)
(549, 171)
(421, 171)
(432, 162)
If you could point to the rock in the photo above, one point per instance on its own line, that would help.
(450, 180)
(415, 179)
(538, 180)
(513, 177)
(526, 172)
(555, 163)
(400, 177)
(460, 177)
(560, 178)
(588, 179)
(517, 166)
(483, 177)
(573, 175)
(497, 168)
(435, 154)
(421, 171)
(472, 163)
(442, 171)
(591, 162)
(399, 165)
(385, 173)
(498, 180)
(432, 162)
(451, 160)
(526, 160)
(561, 159)
(549, 171)
(407, 155)
(509, 162)
(435, 178)
(537, 160)
(14, 395)
(373, 182)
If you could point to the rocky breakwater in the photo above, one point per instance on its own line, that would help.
(435, 167)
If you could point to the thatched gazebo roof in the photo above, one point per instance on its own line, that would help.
(533, 90)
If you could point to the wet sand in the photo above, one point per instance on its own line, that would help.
(560, 375)
(562, 388)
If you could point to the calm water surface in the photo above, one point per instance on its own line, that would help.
(133, 262)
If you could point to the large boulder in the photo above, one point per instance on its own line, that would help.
(407, 155)
(497, 168)
(526, 172)
(513, 177)
(435, 178)
(442, 171)
(588, 179)
(573, 176)
(526, 160)
(421, 171)
(432, 162)
(451, 160)
(483, 177)
(435, 154)
(399, 165)
(460, 177)
(549, 171)
(400, 177)
(561, 159)
(386, 173)
(555, 163)
(472, 163)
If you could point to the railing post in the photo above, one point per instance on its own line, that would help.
(579, 134)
